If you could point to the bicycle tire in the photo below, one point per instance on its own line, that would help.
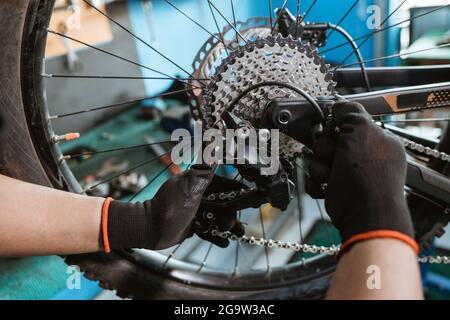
(21, 25)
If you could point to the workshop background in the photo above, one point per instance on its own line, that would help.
(49, 277)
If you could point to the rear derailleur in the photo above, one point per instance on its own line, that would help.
(225, 197)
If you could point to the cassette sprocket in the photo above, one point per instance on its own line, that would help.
(279, 59)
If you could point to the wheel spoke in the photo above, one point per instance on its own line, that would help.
(343, 18)
(119, 104)
(155, 177)
(396, 55)
(196, 23)
(90, 153)
(234, 19)
(109, 53)
(172, 254)
(137, 37)
(368, 37)
(227, 21)
(385, 28)
(303, 169)
(270, 15)
(205, 258)
(263, 230)
(308, 11)
(299, 203)
(236, 255)
(139, 165)
(327, 227)
(297, 19)
(68, 76)
(357, 52)
(151, 181)
(217, 27)
(300, 207)
(279, 15)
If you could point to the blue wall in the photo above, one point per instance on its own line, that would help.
(180, 39)
(332, 11)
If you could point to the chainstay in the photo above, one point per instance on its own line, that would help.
(308, 248)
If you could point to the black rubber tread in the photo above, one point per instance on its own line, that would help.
(17, 153)
(130, 280)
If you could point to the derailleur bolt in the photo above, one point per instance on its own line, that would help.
(284, 116)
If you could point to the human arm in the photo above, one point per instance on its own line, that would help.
(377, 269)
(36, 220)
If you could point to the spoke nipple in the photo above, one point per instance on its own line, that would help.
(66, 137)
(52, 117)
(64, 158)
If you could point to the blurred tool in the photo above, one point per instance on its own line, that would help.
(128, 183)
(178, 87)
(113, 165)
(101, 190)
(85, 153)
(151, 108)
(176, 118)
(164, 156)
(107, 136)
(72, 61)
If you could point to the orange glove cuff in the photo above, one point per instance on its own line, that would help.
(380, 234)
(104, 222)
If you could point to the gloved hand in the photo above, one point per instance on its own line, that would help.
(226, 221)
(221, 220)
(364, 168)
(161, 222)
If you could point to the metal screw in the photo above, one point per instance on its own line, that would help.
(284, 116)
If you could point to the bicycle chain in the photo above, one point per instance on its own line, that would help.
(414, 146)
(230, 195)
(308, 248)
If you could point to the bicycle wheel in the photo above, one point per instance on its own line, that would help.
(32, 152)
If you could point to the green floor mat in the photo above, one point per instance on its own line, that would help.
(32, 278)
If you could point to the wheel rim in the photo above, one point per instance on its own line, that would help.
(301, 271)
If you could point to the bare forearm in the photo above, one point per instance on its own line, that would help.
(35, 220)
(377, 269)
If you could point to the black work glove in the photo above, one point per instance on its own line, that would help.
(163, 221)
(226, 221)
(220, 220)
(364, 168)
